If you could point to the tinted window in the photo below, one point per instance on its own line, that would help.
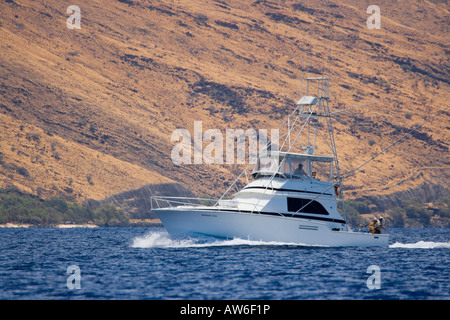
(295, 204)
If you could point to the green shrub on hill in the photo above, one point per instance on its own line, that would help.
(18, 207)
(412, 212)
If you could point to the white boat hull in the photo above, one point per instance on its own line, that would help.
(259, 227)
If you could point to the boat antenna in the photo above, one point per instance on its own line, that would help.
(303, 70)
(329, 62)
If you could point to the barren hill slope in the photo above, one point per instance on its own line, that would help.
(90, 112)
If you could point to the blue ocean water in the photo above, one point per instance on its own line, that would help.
(144, 263)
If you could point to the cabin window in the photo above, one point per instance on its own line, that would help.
(323, 170)
(310, 206)
(300, 168)
(268, 166)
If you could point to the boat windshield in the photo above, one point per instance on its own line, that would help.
(294, 166)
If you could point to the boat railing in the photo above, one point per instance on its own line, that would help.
(159, 202)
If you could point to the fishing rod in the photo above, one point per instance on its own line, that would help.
(384, 150)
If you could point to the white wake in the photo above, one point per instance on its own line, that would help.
(421, 245)
(161, 239)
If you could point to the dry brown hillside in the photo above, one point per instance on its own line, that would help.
(90, 112)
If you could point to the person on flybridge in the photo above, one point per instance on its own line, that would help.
(299, 171)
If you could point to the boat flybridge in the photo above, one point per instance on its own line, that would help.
(292, 195)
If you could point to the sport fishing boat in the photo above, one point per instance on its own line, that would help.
(292, 195)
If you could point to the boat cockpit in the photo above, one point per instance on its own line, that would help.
(294, 166)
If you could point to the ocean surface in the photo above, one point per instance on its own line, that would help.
(144, 263)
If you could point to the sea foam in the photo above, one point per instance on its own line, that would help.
(421, 245)
(161, 239)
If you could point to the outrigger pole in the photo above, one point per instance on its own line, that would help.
(379, 153)
(401, 138)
